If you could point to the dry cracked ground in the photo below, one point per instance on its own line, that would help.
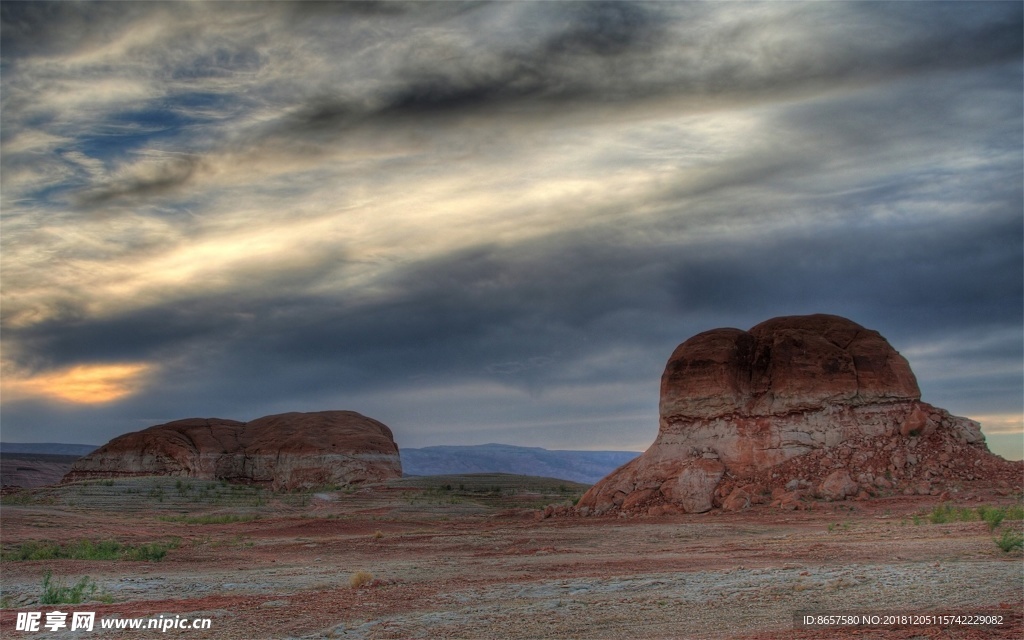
(469, 557)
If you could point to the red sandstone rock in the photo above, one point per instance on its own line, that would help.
(663, 510)
(693, 486)
(787, 364)
(286, 451)
(838, 485)
(800, 401)
(738, 500)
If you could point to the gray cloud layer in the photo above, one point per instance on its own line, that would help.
(494, 221)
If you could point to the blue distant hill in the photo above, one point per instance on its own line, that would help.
(579, 466)
(49, 448)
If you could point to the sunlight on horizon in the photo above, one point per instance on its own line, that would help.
(82, 384)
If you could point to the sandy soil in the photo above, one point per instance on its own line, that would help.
(446, 565)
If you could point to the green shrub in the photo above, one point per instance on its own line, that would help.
(994, 516)
(1010, 540)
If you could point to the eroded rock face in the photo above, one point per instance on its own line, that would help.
(286, 451)
(738, 404)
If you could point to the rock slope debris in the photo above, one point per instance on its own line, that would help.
(798, 407)
(285, 452)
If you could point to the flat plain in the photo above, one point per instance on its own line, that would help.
(474, 557)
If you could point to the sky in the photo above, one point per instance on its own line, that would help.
(493, 222)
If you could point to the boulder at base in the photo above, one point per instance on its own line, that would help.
(286, 451)
(798, 407)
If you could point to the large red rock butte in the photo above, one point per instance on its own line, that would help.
(285, 452)
(796, 408)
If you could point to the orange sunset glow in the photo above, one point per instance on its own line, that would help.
(83, 384)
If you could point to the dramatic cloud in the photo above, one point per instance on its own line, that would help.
(488, 222)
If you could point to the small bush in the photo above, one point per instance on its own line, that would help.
(183, 487)
(360, 578)
(994, 516)
(1010, 540)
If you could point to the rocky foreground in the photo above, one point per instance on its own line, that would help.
(467, 563)
(285, 452)
(797, 408)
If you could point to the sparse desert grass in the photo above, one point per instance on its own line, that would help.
(994, 516)
(436, 496)
(27, 497)
(212, 518)
(151, 552)
(162, 493)
(109, 482)
(234, 542)
(494, 490)
(56, 592)
(87, 550)
(945, 513)
(360, 578)
(237, 542)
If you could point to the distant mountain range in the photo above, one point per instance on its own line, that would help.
(49, 448)
(579, 466)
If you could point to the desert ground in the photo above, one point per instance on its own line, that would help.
(474, 557)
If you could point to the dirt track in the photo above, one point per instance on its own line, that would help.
(453, 567)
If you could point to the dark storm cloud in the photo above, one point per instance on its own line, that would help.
(499, 215)
(58, 28)
(485, 79)
(634, 51)
(317, 10)
(600, 54)
(465, 315)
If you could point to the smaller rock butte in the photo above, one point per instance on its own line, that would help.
(286, 451)
(798, 407)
